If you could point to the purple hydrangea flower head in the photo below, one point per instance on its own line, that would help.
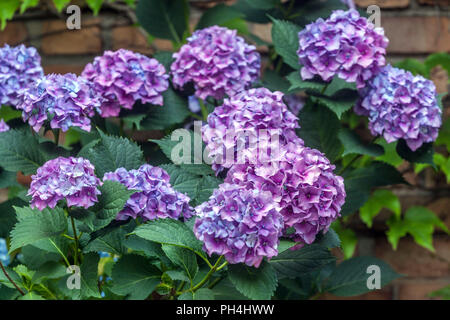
(243, 225)
(349, 3)
(294, 102)
(19, 68)
(217, 62)
(302, 182)
(70, 178)
(345, 44)
(3, 126)
(63, 100)
(253, 121)
(401, 106)
(155, 197)
(122, 77)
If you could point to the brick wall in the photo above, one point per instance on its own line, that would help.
(415, 29)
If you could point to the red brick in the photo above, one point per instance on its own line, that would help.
(412, 260)
(386, 4)
(441, 208)
(60, 40)
(163, 44)
(264, 32)
(63, 68)
(419, 289)
(413, 35)
(442, 3)
(129, 37)
(14, 33)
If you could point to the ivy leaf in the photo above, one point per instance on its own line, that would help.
(353, 145)
(292, 263)
(418, 222)
(170, 232)
(7, 10)
(34, 225)
(113, 152)
(350, 277)
(174, 111)
(422, 155)
(19, 151)
(135, 276)
(183, 258)
(254, 283)
(163, 19)
(285, 41)
(218, 15)
(379, 199)
(318, 127)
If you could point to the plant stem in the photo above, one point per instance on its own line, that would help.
(205, 279)
(56, 135)
(75, 238)
(349, 164)
(204, 110)
(11, 280)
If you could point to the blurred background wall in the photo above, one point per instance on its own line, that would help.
(415, 28)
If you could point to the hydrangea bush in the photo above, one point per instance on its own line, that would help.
(244, 195)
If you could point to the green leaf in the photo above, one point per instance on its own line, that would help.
(183, 258)
(8, 113)
(438, 59)
(135, 276)
(444, 135)
(172, 232)
(359, 183)
(19, 151)
(353, 144)
(61, 4)
(141, 246)
(174, 111)
(31, 296)
(318, 127)
(418, 222)
(111, 242)
(225, 290)
(200, 294)
(338, 85)
(8, 215)
(14, 276)
(113, 152)
(378, 200)
(28, 4)
(35, 257)
(329, 240)
(444, 164)
(254, 283)
(163, 19)
(339, 103)
(297, 83)
(49, 270)
(422, 155)
(348, 239)
(263, 4)
(95, 5)
(390, 155)
(350, 277)
(443, 293)
(218, 15)
(89, 277)
(285, 41)
(34, 225)
(7, 10)
(165, 58)
(274, 82)
(414, 66)
(293, 263)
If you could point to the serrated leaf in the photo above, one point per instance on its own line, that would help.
(183, 258)
(292, 263)
(171, 232)
(8, 216)
(111, 243)
(113, 152)
(329, 240)
(350, 277)
(353, 145)
(285, 41)
(200, 294)
(254, 283)
(378, 200)
(318, 127)
(141, 246)
(218, 15)
(422, 155)
(19, 151)
(34, 225)
(135, 276)
(297, 83)
(274, 82)
(339, 103)
(174, 111)
(49, 270)
(348, 239)
(89, 277)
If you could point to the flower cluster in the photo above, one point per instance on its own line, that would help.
(217, 61)
(155, 197)
(4, 257)
(294, 102)
(64, 100)
(243, 225)
(70, 178)
(345, 44)
(3, 126)
(251, 122)
(302, 182)
(19, 68)
(122, 77)
(401, 106)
